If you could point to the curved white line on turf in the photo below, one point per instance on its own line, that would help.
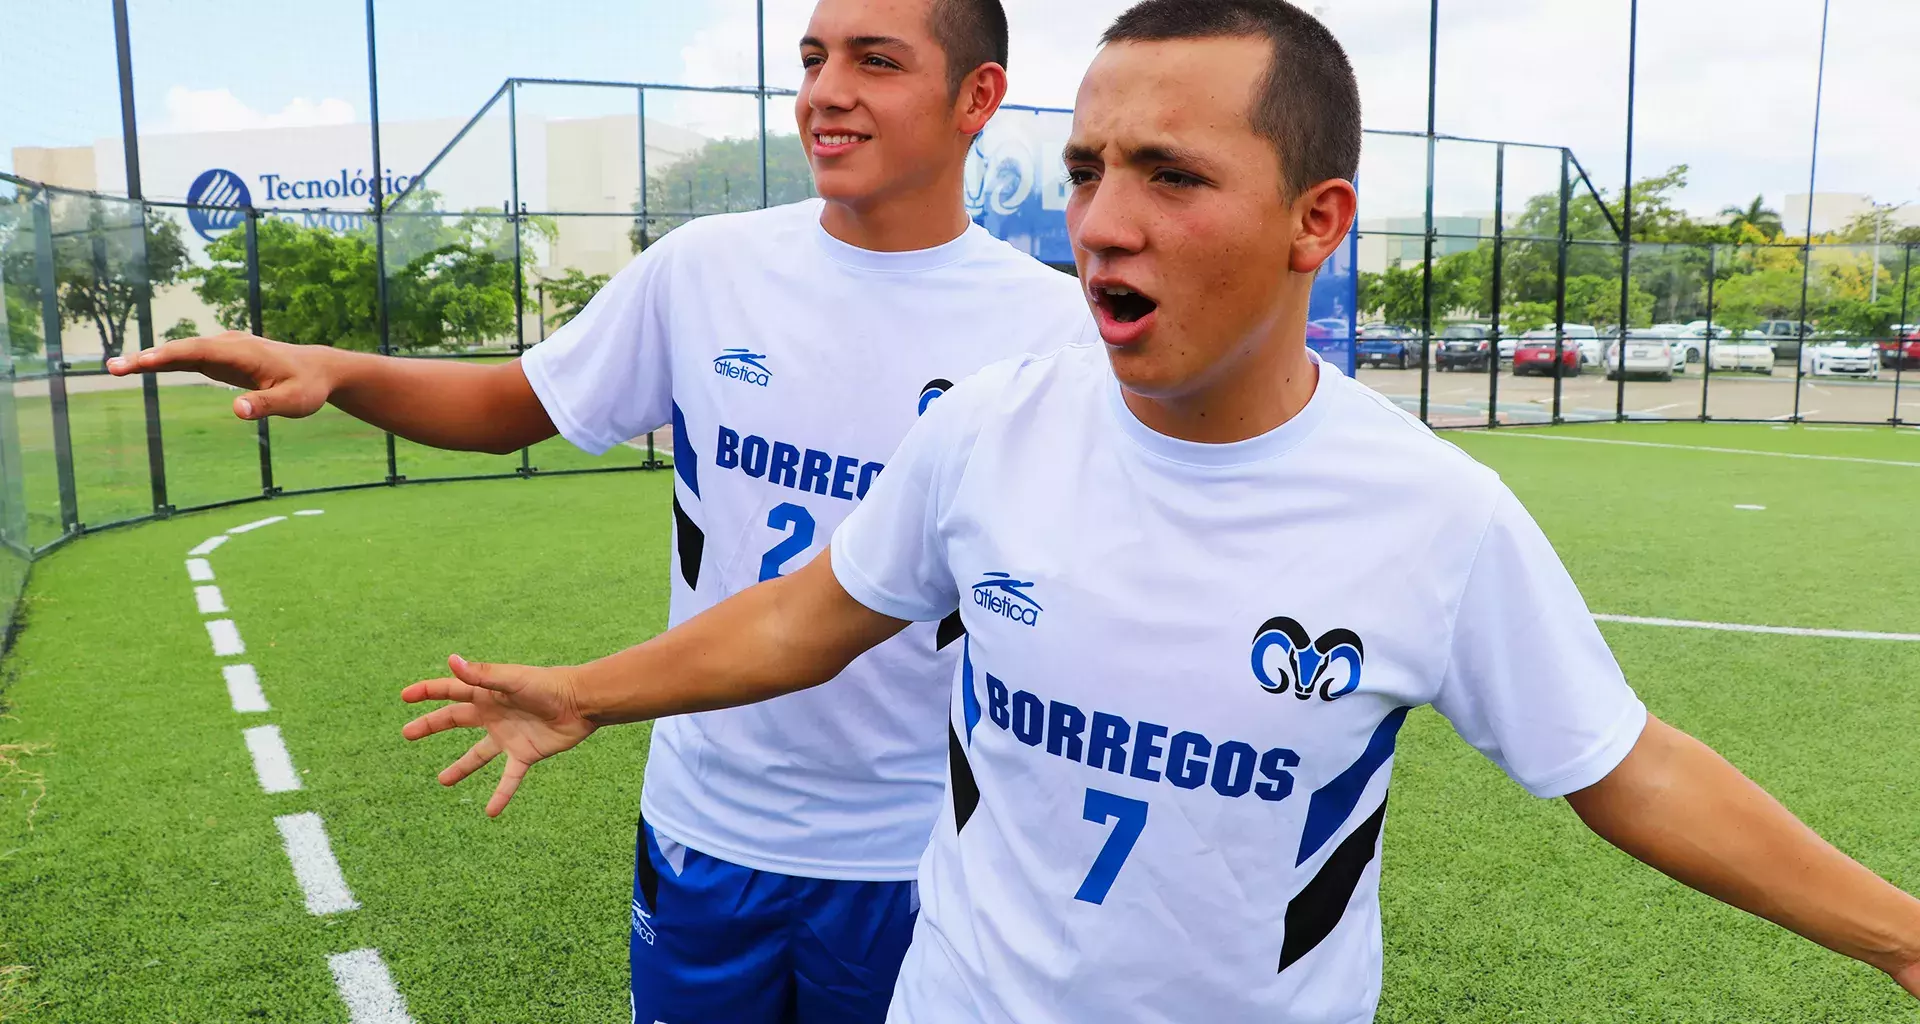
(367, 988)
(209, 600)
(243, 688)
(1735, 627)
(206, 547)
(311, 512)
(226, 638)
(272, 765)
(314, 868)
(1703, 448)
(199, 570)
(256, 524)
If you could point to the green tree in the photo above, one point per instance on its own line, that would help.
(1755, 214)
(22, 325)
(182, 328)
(722, 177)
(316, 285)
(1395, 294)
(99, 270)
(569, 293)
(449, 283)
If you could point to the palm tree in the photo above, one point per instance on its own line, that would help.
(1755, 213)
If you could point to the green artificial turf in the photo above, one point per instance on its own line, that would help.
(149, 885)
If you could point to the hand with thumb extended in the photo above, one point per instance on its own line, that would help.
(281, 379)
(529, 714)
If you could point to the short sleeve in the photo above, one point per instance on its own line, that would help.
(605, 377)
(888, 553)
(1530, 682)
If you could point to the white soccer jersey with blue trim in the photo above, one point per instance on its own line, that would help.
(1184, 672)
(791, 364)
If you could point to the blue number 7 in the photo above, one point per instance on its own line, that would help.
(1130, 818)
(783, 517)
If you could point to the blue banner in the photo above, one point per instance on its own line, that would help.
(1017, 189)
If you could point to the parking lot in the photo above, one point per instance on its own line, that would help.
(1460, 399)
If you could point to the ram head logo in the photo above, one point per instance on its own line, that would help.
(1285, 660)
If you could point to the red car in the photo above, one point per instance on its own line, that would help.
(1536, 358)
(1901, 355)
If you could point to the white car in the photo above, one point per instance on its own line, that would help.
(1693, 339)
(1747, 352)
(1651, 357)
(1839, 359)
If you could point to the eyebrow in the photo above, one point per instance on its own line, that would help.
(860, 42)
(1152, 153)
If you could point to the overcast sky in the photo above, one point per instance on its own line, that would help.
(1726, 86)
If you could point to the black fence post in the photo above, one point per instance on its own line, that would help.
(143, 286)
(516, 212)
(56, 364)
(379, 226)
(256, 324)
(1806, 248)
(1560, 282)
(1427, 354)
(646, 221)
(760, 36)
(1706, 358)
(1499, 264)
(1626, 215)
(1899, 341)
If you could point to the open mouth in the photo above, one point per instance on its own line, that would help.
(1124, 304)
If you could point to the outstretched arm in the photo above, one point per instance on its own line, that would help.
(443, 403)
(1682, 809)
(773, 638)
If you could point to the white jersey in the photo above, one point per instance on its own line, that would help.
(1184, 672)
(791, 364)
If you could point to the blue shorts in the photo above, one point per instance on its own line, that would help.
(716, 943)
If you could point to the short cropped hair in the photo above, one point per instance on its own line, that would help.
(1308, 104)
(972, 32)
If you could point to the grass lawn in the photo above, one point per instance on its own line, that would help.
(149, 883)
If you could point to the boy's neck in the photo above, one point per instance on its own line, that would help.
(1254, 395)
(904, 222)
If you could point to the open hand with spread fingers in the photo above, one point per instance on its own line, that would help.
(529, 714)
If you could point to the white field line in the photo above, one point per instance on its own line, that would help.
(199, 570)
(256, 524)
(206, 547)
(209, 600)
(226, 638)
(1704, 448)
(271, 763)
(1735, 627)
(367, 988)
(311, 512)
(243, 686)
(313, 865)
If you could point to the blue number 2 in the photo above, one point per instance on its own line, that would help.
(783, 517)
(1130, 817)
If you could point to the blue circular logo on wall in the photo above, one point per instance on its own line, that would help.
(215, 200)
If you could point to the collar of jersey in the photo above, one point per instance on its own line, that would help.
(910, 262)
(1270, 445)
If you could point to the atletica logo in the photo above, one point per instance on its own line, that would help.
(1003, 595)
(1284, 661)
(934, 389)
(226, 194)
(741, 364)
(641, 925)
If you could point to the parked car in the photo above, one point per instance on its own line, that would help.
(1747, 352)
(1534, 355)
(1786, 336)
(1839, 359)
(1387, 345)
(1902, 353)
(1328, 327)
(1693, 338)
(1465, 347)
(1646, 357)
